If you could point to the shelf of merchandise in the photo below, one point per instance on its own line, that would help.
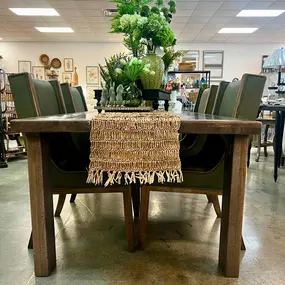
(197, 74)
(188, 78)
(14, 143)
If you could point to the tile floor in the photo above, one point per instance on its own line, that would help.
(183, 236)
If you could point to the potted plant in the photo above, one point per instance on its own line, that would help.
(120, 76)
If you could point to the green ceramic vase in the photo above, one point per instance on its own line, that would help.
(156, 64)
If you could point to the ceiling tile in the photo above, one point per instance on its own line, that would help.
(203, 13)
(258, 5)
(211, 5)
(278, 5)
(186, 5)
(233, 5)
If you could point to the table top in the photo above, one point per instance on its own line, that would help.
(190, 123)
(272, 107)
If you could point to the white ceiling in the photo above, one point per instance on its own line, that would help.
(195, 21)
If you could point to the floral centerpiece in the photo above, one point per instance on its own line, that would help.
(145, 28)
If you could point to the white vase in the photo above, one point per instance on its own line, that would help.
(173, 96)
(174, 105)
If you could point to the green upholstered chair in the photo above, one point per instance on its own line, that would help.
(73, 98)
(203, 173)
(75, 102)
(191, 143)
(37, 98)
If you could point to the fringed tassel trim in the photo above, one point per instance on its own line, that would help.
(144, 177)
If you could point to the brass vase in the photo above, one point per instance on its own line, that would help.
(154, 81)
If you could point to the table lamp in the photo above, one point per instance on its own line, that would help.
(276, 61)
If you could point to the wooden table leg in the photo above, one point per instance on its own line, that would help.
(41, 204)
(277, 143)
(232, 208)
(136, 199)
(281, 126)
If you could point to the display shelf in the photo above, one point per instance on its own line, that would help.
(12, 143)
(207, 74)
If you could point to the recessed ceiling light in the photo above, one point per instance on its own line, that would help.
(1, 39)
(34, 11)
(260, 13)
(55, 29)
(237, 30)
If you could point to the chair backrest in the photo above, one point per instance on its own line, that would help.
(203, 101)
(211, 99)
(79, 99)
(56, 87)
(68, 99)
(74, 98)
(33, 97)
(207, 100)
(197, 103)
(241, 99)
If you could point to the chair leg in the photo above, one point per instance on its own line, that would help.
(258, 148)
(209, 198)
(265, 140)
(143, 215)
(60, 203)
(129, 221)
(242, 244)
(136, 199)
(30, 244)
(248, 152)
(215, 200)
(72, 198)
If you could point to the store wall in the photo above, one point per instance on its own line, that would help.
(238, 58)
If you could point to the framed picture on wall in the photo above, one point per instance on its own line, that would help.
(92, 75)
(66, 77)
(214, 61)
(68, 64)
(39, 72)
(24, 66)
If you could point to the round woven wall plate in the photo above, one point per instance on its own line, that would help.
(56, 63)
(44, 59)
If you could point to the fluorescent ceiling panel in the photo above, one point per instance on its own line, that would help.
(34, 11)
(237, 30)
(54, 29)
(260, 13)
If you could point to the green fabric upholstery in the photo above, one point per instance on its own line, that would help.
(197, 103)
(46, 97)
(74, 98)
(24, 103)
(56, 88)
(203, 101)
(79, 89)
(228, 102)
(79, 101)
(252, 86)
(211, 99)
(192, 143)
(68, 99)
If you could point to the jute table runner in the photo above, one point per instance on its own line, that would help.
(132, 147)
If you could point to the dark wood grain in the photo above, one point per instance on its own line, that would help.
(41, 204)
(190, 123)
(232, 207)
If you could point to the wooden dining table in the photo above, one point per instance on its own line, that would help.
(40, 130)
